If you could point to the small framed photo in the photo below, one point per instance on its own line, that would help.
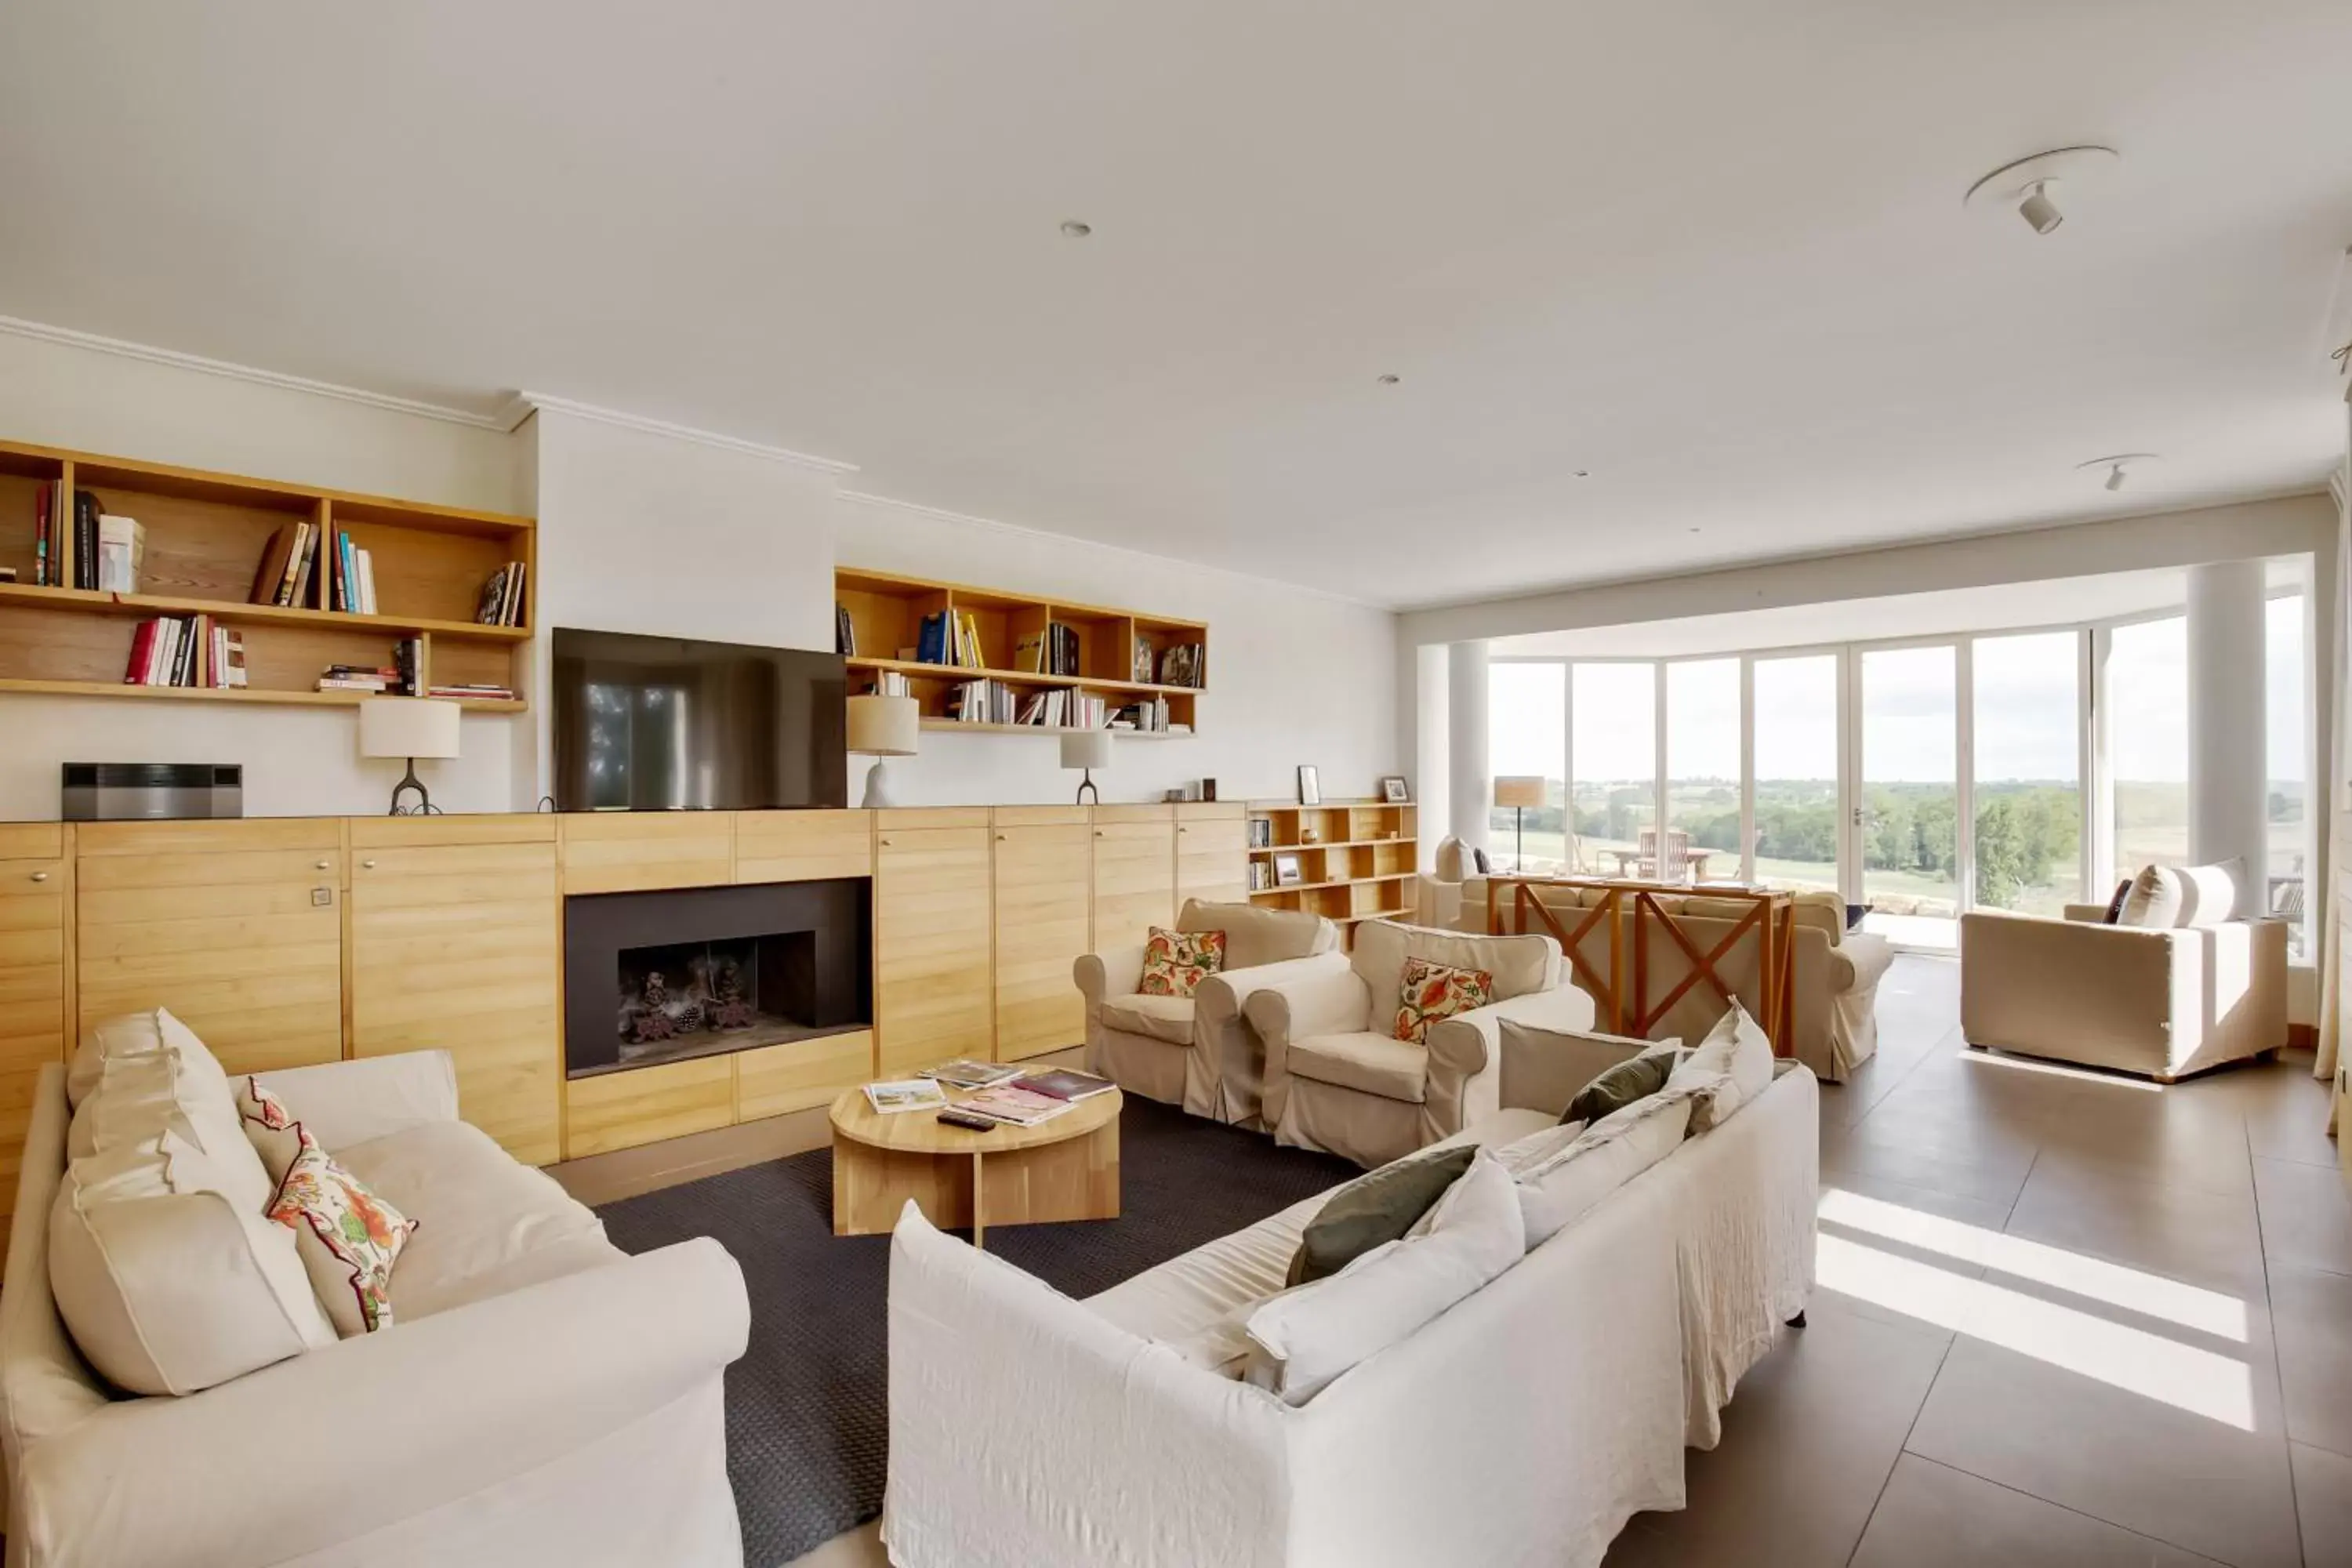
(1287, 872)
(1261, 833)
(1392, 789)
(1310, 785)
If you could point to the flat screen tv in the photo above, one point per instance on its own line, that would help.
(674, 725)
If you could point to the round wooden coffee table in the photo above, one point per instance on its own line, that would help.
(1063, 1169)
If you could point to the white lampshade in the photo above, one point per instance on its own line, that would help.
(1519, 790)
(408, 727)
(884, 726)
(1086, 749)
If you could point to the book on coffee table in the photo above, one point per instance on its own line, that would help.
(1014, 1105)
(963, 1074)
(894, 1095)
(1065, 1083)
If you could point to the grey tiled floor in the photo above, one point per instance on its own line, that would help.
(2064, 1320)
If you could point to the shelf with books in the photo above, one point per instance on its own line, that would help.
(309, 580)
(1355, 860)
(227, 694)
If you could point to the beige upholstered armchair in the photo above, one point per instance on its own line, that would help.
(1336, 1079)
(1199, 1051)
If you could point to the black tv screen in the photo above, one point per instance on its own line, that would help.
(673, 724)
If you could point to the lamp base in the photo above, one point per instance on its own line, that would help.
(877, 787)
(409, 780)
(1087, 787)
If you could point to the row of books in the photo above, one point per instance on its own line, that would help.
(1054, 651)
(478, 691)
(1148, 714)
(502, 597)
(185, 651)
(291, 564)
(950, 639)
(1185, 664)
(891, 683)
(78, 516)
(398, 679)
(1064, 707)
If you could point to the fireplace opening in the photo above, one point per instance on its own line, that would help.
(689, 998)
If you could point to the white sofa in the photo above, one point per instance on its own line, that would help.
(1522, 1426)
(540, 1397)
(1201, 1051)
(1337, 1079)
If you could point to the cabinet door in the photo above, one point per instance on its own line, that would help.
(625, 851)
(803, 846)
(34, 899)
(1043, 859)
(457, 947)
(1134, 874)
(931, 993)
(234, 926)
(1211, 853)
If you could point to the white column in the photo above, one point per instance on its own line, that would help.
(2228, 771)
(1432, 746)
(1470, 785)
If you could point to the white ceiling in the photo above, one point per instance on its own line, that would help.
(1714, 253)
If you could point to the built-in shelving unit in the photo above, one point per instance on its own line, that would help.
(1355, 858)
(206, 534)
(1114, 649)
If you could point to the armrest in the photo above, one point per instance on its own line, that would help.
(1466, 1050)
(2089, 993)
(423, 1416)
(1545, 1067)
(1106, 974)
(2087, 914)
(349, 1102)
(1223, 994)
(1333, 1003)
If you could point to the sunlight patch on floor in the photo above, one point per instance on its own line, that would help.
(2058, 1069)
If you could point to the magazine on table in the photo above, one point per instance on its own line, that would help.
(1065, 1083)
(966, 1074)
(894, 1095)
(1015, 1106)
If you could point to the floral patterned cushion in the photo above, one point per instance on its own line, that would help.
(270, 1127)
(1434, 991)
(348, 1236)
(1176, 961)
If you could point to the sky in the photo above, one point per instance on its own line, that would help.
(2025, 710)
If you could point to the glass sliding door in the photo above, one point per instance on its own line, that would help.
(2027, 803)
(1797, 830)
(1527, 736)
(1908, 795)
(1703, 767)
(1613, 763)
(2148, 743)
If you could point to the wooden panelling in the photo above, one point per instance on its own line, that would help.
(31, 840)
(35, 899)
(456, 946)
(1039, 815)
(931, 924)
(803, 846)
(1134, 878)
(1042, 902)
(626, 851)
(623, 1110)
(414, 832)
(168, 917)
(932, 816)
(798, 1074)
(1107, 813)
(1211, 852)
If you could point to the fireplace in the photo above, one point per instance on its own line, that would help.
(662, 976)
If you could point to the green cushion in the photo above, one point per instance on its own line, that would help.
(1375, 1209)
(1636, 1077)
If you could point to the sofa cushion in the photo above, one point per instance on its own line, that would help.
(134, 1096)
(1518, 964)
(1255, 936)
(1823, 911)
(1175, 962)
(348, 1235)
(2210, 893)
(1373, 1063)
(1619, 1087)
(1448, 867)
(487, 1224)
(1164, 1018)
(166, 1283)
(138, 1034)
(1566, 1183)
(2155, 900)
(270, 1128)
(1731, 1067)
(1373, 1209)
(1430, 991)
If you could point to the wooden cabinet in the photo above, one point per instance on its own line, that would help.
(626, 851)
(932, 993)
(803, 846)
(457, 945)
(1134, 873)
(35, 896)
(623, 1109)
(1211, 852)
(800, 1074)
(236, 927)
(1044, 860)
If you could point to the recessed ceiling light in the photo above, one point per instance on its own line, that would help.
(1388, 379)
(1584, 473)
(2028, 185)
(1074, 229)
(2119, 466)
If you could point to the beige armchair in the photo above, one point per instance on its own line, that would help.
(2162, 1002)
(1337, 1079)
(1199, 1051)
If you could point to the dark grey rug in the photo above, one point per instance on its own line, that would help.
(806, 1412)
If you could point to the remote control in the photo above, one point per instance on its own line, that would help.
(966, 1119)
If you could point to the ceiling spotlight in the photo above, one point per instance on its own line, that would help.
(1073, 230)
(1387, 379)
(1584, 473)
(2118, 467)
(2026, 185)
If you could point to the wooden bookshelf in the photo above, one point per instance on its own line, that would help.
(886, 616)
(206, 534)
(1357, 859)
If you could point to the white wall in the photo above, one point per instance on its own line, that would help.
(296, 761)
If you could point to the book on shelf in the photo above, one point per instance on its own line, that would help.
(1063, 708)
(366, 563)
(892, 1096)
(845, 632)
(484, 693)
(948, 638)
(966, 1074)
(1029, 654)
(284, 575)
(45, 549)
(86, 511)
(1145, 715)
(192, 651)
(1065, 1083)
(1014, 1105)
(502, 597)
(121, 551)
(1140, 668)
(890, 683)
(1182, 664)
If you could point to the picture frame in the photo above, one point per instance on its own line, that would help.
(1261, 833)
(1288, 871)
(1393, 791)
(1310, 785)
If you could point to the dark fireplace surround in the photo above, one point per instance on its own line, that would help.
(740, 967)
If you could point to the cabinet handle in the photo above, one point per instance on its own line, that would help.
(40, 876)
(1183, 829)
(367, 865)
(1000, 838)
(885, 844)
(321, 864)
(1100, 834)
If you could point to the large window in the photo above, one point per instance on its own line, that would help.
(2287, 741)
(1526, 737)
(2148, 743)
(1797, 772)
(1703, 764)
(1910, 786)
(1613, 755)
(2028, 801)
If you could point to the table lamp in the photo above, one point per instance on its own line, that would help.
(410, 727)
(1520, 792)
(1088, 750)
(883, 726)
